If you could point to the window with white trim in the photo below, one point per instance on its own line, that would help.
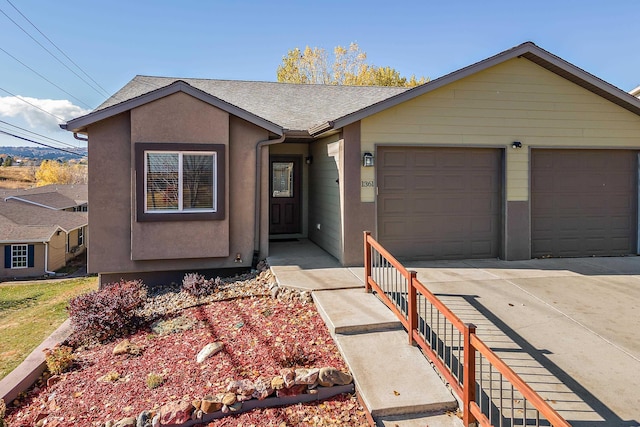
(19, 256)
(179, 181)
(80, 236)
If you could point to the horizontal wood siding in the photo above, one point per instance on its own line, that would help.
(513, 101)
(324, 199)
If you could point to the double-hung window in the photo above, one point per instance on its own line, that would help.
(179, 181)
(19, 256)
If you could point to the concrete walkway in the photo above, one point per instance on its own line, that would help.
(567, 326)
(396, 383)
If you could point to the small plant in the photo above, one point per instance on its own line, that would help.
(154, 380)
(110, 377)
(196, 285)
(107, 313)
(59, 359)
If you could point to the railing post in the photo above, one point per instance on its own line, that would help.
(412, 309)
(469, 376)
(367, 261)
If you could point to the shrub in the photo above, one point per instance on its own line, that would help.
(195, 284)
(59, 359)
(107, 313)
(154, 380)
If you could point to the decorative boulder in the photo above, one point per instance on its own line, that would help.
(277, 383)
(289, 377)
(291, 391)
(243, 387)
(306, 376)
(208, 351)
(263, 389)
(127, 347)
(176, 413)
(328, 377)
(210, 404)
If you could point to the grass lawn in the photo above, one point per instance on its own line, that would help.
(30, 312)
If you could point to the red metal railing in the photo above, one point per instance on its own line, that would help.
(492, 394)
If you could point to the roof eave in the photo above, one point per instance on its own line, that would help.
(79, 124)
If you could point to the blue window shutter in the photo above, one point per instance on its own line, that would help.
(7, 256)
(30, 253)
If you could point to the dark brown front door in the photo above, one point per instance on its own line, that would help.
(285, 197)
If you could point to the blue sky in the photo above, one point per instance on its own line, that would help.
(114, 40)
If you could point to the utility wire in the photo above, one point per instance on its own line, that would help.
(59, 50)
(41, 143)
(33, 105)
(37, 134)
(44, 78)
(50, 53)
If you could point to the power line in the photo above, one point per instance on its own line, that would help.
(59, 50)
(40, 135)
(44, 78)
(41, 143)
(33, 105)
(50, 53)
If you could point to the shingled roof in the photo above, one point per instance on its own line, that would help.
(54, 196)
(24, 222)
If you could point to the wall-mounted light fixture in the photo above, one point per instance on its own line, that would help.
(367, 160)
(308, 160)
(516, 144)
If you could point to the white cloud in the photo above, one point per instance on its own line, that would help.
(25, 108)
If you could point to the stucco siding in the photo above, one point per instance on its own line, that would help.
(325, 209)
(514, 101)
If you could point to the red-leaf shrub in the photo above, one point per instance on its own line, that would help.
(107, 313)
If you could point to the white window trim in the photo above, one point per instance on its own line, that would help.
(81, 236)
(26, 257)
(181, 209)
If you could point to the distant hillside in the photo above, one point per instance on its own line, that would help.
(43, 153)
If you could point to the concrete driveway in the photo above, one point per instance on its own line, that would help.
(569, 327)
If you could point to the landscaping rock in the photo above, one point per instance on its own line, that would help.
(242, 387)
(155, 422)
(209, 350)
(144, 419)
(289, 377)
(263, 389)
(306, 376)
(291, 391)
(229, 399)
(127, 347)
(328, 377)
(126, 422)
(175, 413)
(277, 383)
(210, 404)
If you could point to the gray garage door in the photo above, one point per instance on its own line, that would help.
(583, 202)
(439, 203)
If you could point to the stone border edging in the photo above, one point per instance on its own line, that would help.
(322, 394)
(28, 372)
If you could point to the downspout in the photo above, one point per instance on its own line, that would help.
(46, 259)
(258, 196)
(79, 138)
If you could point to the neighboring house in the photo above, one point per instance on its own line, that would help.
(635, 92)
(41, 229)
(520, 155)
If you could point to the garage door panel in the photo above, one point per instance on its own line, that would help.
(452, 207)
(583, 202)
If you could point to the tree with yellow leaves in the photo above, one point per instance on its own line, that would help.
(55, 172)
(311, 66)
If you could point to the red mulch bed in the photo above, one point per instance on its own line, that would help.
(260, 335)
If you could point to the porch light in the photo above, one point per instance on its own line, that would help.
(308, 160)
(367, 160)
(516, 144)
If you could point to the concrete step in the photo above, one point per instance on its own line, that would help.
(448, 419)
(392, 377)
(350, 311)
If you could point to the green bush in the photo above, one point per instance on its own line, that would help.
(59, 359)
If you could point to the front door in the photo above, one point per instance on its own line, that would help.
(285, 198)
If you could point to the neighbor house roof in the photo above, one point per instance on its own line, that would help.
(635, 92)
(24, 222)
(55, 196)
(316, 109)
